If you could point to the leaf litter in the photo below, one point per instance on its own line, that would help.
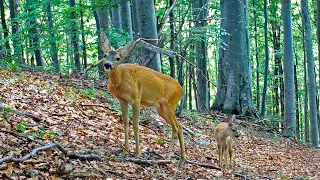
(99, 130)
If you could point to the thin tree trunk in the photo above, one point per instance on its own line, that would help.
(266, 67)
(172, 41)
(5, 29)
(84, 44)
(53, 44)
(116, 21)
(311, 74)
(35, 41)
(74, 36)
(13, 5)
(257, 56)
(126, 21)
(306, 110)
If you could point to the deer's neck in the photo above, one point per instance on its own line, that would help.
(115, 76)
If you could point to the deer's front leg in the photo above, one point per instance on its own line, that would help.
(125, 118)
(136, 114)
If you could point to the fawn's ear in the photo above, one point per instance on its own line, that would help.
(230, 119)
(104, 43)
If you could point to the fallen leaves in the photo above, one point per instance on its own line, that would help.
(84, 123)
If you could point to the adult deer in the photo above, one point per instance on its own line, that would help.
(137, 86)
(223, 136)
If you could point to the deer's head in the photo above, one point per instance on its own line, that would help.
(112, 58)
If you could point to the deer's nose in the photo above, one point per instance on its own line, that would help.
(107, 66)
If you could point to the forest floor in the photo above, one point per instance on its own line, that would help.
(86, 120)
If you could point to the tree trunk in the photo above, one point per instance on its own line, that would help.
(102, 22)
(53, 44)
(311, 74)
(200, 13)
(126, 21)
(257, 56)
(13, 5)
(5, 29)
(172, 41)
(234, 80)
(318, 34)
(74, 35)
(266, 67)
(116, 22)
(147, 28)
(84, 44)
(305, 86)
(35, 41)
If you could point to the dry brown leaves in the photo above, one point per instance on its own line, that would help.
(99, 130)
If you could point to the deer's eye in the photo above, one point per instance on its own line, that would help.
(104, 55)
(117, 59)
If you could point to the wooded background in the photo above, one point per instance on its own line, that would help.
(248, 57)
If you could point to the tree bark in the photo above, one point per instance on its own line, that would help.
(83, 38)
(234, 79)
(311, 74)
(172, 40)
(257, 56)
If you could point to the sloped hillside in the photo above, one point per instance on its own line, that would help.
(84, 123)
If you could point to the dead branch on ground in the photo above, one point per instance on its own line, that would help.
(49, 146)
(18, 112)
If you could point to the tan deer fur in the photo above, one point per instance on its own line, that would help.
(223, 136)
(138, 86)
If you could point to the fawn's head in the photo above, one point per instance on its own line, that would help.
(233, 131)
(112, 58)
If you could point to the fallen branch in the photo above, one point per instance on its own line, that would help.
(52, 145)
(32, 116)
(19, 136)
(206, 165)
(98, 105)
(148, 162)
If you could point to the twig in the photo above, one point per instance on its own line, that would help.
(32, 116)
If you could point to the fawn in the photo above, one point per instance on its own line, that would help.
(223, 136)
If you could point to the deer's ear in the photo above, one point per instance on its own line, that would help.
(104, 43)
(230, 119)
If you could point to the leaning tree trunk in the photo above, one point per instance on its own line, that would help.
(147, 28)
(74, 36)
(288, 67)
(234, 79)
(311, 74)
